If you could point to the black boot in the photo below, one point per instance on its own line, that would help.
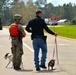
(38, 69)
(43, 66)
(17, 68)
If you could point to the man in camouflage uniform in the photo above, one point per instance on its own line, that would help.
(17, 45)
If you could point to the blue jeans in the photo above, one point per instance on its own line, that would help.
(37, 44)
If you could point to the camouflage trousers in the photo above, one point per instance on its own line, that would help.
(17, 51)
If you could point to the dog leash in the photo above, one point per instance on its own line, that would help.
(55, 50)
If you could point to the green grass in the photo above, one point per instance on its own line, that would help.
(66, 31)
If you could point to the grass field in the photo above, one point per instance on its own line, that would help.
(65, 30)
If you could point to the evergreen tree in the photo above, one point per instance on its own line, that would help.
(40, 3)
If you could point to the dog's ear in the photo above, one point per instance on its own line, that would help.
(53, 59)
(6, 54)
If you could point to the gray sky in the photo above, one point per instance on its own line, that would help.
(58, 2)
(61, 2)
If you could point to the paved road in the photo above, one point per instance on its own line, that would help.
(66, 50)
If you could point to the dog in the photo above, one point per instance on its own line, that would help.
(10, 57)
(51, 64)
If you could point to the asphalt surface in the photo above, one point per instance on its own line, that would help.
(66, 55)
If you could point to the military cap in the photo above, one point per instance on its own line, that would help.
(17, 16)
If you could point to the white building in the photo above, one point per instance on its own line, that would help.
(63, 21)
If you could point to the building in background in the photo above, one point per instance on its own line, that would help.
(63, 21)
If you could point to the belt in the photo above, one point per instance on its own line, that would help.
(38, 36)
(15, 38)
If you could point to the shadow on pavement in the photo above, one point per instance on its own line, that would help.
(25, 70)
(50, 71)
(22, 70)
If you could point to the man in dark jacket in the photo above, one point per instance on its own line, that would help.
(36, 26)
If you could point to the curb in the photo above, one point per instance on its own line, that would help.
(66, 38)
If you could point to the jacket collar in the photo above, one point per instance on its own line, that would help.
(38, 16)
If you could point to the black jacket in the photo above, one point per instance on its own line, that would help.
(36, 26)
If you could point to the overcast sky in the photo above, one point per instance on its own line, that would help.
(60, 2)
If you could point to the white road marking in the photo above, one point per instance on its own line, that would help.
(48, 44)
(28, 47)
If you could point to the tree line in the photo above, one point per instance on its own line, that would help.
(8, 9)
